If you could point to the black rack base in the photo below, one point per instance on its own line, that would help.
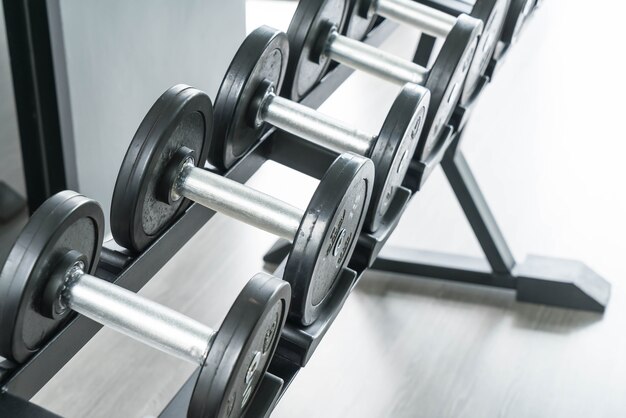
(542, 280)
(559, 282)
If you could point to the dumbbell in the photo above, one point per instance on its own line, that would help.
(48, 275)
(433, 19)
(161, 174)
(315, 40)
(247, 102)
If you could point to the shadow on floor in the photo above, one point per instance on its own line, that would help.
(526, 316)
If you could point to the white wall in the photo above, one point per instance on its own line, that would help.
(119, 56)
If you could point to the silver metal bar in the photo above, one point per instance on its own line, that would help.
(138, 317)
(427, 19)
(314, 126)
(239, 201)
(371, 60)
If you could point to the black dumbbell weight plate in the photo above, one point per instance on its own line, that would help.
(492, 13)
(306, 67)
(182, 116)
(394, 148)
(241, 350)
(66, 221)
(514, 21)
(359, 21)
(445, 80)
(328, 234)
(262, 57)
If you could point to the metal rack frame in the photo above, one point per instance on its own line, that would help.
(19, 382)
(538, 280)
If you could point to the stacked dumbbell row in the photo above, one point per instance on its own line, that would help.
(48, 274)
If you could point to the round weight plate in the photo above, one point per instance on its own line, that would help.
(445, 80)
(492, 13)
(182, 116)
(514, 21)
(66, 221)
(241, 350)
(394, 149)
(328, 234)
(262, 56)
(360, 19)
(304, 71)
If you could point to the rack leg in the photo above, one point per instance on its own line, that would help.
(477, 211)
(278, 252)
(549, 281)
(424, 50)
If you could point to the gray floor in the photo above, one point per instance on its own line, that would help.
(544, 147)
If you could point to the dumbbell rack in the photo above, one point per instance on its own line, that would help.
(20, 382)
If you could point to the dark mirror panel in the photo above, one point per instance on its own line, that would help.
(13, 212)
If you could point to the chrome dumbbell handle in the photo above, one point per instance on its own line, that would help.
(427, 19)
(374, 61)
(137, 317)
(237, 201)
(313, 126)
